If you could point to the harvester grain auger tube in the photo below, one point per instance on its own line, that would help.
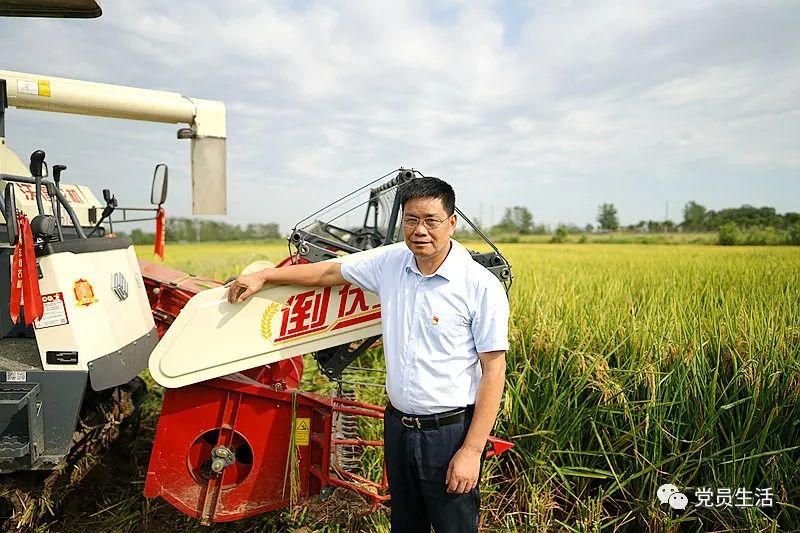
(84, 9)
(205, 118)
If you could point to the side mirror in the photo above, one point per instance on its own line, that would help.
(10, 212)
(158, 192)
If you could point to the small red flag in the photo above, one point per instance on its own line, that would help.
(25, 276)
(161, 235)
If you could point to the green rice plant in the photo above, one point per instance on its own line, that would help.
(630, 366)
(217, 260)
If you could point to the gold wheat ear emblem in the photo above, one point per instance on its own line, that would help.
(266, 320)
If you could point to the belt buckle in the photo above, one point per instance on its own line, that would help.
(411, 422)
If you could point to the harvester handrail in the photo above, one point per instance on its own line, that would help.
(50, 187)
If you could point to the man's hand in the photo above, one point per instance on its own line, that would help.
(245, 286)
(323, 274)
(462, 474)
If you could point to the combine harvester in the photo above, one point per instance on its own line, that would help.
(68, 364)
(233, 411)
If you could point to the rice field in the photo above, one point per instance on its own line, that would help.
(635, 366)
(630, 366)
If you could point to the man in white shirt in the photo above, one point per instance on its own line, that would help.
(445, 334)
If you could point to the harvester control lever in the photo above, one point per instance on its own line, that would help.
(36, 167)
(57, 170)
(37, 162)
(222, 458)
(111, 204)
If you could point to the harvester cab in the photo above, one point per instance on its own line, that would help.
(76, 326)
(51, 349)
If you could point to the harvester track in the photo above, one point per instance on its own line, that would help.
(28, 499)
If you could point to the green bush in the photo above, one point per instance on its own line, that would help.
(763, 236)
(560, 235)
(729, 234)
(506, 238)
(794, 234)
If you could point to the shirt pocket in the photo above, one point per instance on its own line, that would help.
(450, 336)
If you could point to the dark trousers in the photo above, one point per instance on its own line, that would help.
(416, 466)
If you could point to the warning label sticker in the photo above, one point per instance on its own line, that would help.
(55, 312)
(34, 87)
(27, 87)
(17, 376)
(44, 87)
(302, 431)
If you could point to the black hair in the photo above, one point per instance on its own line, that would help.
(429, 187)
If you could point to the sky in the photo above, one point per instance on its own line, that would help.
(557, 106)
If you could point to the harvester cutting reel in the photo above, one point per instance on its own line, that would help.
(237, 437)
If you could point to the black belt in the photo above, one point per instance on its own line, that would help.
(431, 421)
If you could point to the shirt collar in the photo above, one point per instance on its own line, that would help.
(448, 269)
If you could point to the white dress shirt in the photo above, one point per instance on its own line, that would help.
(434, 326)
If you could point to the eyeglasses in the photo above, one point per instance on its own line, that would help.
(429, 223)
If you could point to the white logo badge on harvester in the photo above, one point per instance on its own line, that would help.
(119, 285)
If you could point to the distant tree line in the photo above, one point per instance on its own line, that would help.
(744, 225)
(697, 218)
(518, 219)
(730, 234)
(737, 225)
(197, 230)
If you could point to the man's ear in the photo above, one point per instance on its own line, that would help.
(453, 220)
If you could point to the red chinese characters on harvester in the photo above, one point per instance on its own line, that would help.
(251, 442)
(305, 313)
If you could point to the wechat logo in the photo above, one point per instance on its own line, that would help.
(670, 494)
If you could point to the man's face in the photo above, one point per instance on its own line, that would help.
(425, 242)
